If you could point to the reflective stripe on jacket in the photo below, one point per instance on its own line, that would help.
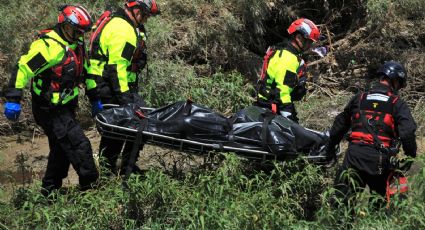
(375, 110)
(404, 124)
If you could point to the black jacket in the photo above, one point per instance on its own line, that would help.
(405, 127)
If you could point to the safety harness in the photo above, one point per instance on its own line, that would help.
(374, 125)
(271, 94)
(140, 56)
(57, 83)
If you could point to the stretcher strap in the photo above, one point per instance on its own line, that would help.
(268, 117)
(136, 148)
(187, 107)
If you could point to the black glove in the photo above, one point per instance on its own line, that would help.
(298, 92)
(140, 64)
(124, 98)
(139, 60)
(394, 163)
(405, 164)
(330, 152)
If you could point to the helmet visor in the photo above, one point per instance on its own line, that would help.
(75, 23)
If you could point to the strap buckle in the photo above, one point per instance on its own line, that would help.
(66, 92)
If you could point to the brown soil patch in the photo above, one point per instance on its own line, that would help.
(35, 149)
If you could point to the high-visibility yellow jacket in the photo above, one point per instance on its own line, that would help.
(55, 67)
(282, 76)
(114, 52)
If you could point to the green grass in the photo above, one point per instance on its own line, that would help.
(319, 111)
(194, 47)
(168, 82)
(234, 196)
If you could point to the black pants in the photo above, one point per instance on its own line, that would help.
(358, 170)
(68, 145)
(110, 149)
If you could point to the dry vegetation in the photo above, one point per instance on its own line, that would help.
(211, 51)
(202, 38)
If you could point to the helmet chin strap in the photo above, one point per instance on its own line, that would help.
(70, 36)
(391, 84)
(134, 16)
(395, 87)
(300, 44)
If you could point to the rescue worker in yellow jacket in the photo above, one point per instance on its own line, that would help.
(283, 80)
(54, 64)
(117, 56)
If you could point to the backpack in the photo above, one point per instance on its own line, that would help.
(269, 53)
(262, 82)
(95, 36)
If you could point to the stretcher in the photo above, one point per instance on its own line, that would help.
(251, 151)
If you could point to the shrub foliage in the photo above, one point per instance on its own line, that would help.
(236, 195)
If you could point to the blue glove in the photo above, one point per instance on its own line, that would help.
(96, 108)
(12, 110)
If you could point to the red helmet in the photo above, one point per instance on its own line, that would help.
(306, 27)
(149, 7)
(76, 16)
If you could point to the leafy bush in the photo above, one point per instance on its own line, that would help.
(382, 11)
(229, 197)
(236, 195)
(167, 82)
(20, 22)
(411, 9)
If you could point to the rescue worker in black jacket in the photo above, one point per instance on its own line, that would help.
(117, 56)
(377, 119)
(54, 64)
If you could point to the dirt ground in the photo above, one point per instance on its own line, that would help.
(34, 149)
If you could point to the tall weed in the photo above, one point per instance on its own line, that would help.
(382, 11)
(167, 82)
(236, 195)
